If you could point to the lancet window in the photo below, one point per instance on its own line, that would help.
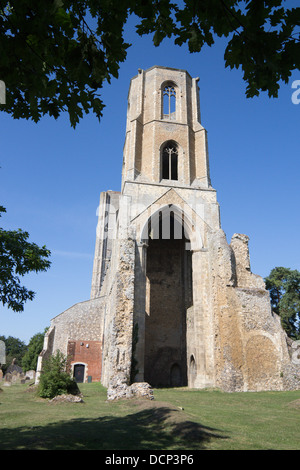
(170, 161)
(169, 102)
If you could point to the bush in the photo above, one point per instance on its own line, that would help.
(54, 379)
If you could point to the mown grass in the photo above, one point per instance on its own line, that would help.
(177, 419)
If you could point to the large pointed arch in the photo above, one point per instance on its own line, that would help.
(158, 226)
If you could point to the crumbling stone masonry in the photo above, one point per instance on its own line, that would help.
(172, 303)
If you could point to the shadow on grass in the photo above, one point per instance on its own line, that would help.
(148, 429)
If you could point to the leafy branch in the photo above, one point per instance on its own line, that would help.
(74, 47)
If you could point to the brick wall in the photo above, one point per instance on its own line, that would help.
(88, 353)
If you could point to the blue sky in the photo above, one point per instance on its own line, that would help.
(51, 175)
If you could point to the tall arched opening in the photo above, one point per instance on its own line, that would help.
(168, 296)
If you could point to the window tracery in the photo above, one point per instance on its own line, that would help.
(169, 102)
(170, 162)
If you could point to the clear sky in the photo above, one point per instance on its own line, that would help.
(51, 175)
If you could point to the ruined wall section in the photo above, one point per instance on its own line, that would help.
(245, 278)
(105, 234)
(117, 347)
(251, 352)
(228, 338)
(46, 351)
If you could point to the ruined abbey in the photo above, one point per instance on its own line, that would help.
(172, 302)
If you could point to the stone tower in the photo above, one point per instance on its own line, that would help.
(172, 303)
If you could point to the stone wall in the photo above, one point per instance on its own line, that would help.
(83, 322)
(117, 347)
(251, 348)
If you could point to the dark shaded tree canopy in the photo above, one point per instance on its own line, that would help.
(55, 55)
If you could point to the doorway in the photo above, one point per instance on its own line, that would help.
(79, 370)
(168, 295)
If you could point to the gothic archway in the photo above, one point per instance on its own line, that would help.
(168, 295)
(185, 228)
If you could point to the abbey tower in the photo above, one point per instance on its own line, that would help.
(172, 303)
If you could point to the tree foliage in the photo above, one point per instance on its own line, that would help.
(284, 286)
(17, 258)
(35, 346)
(56, 54)
(54, 379)
(14, 349)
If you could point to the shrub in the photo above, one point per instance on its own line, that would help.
(54, 379)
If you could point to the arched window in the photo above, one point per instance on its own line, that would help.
(170, 161)
(169, 101)
(192, 364)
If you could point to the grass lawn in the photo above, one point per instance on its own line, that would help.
(177, 419)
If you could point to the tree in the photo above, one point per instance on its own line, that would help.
(56, 54)
(284, 286)
(35, 346)
(17, 258)
(14, 349)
